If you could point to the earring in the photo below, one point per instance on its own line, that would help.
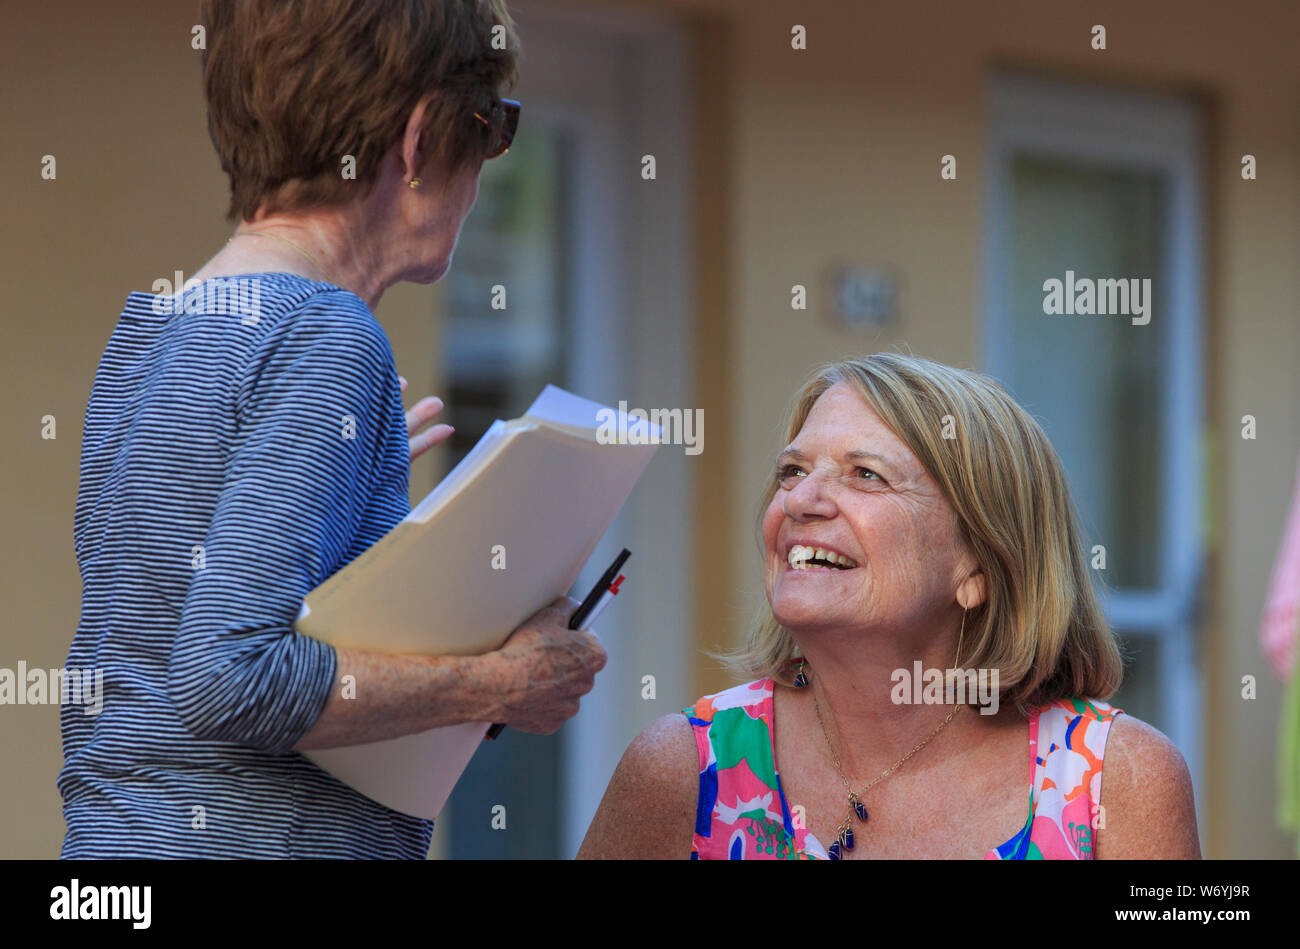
(961, 634)
(801, 677)
(415, 182)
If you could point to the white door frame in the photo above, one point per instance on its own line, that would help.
(1149, 132)
(616, 81)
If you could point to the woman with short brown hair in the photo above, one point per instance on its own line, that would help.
(245, 439)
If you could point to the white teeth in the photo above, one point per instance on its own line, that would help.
(800, 555)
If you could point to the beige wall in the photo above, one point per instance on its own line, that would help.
(804, 160)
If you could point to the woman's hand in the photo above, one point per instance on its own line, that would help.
(420, 415)
(545, 668)
(532, 683)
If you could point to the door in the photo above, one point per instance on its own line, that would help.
(1098, 184)
(573, 269)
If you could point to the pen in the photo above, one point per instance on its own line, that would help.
(601, 594)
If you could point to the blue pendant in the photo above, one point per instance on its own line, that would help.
(800, 680)
(847, 838)
(833, 852)
(860, 809)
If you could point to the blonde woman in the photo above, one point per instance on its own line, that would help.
(918, 519)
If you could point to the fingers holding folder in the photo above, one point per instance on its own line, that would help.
(548, 668)
(544, 488)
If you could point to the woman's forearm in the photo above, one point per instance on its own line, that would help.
(377, 696)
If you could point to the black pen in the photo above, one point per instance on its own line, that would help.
(606, 588)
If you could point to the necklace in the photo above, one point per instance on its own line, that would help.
(844, 833)
(844, 838)
(286, 241)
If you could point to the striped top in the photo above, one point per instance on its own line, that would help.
(234, 456)
(742, 812)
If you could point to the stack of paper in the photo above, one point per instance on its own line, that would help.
(505, 533)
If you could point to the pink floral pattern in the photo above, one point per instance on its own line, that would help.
(742, 812)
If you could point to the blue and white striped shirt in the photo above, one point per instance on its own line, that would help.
(228, 467)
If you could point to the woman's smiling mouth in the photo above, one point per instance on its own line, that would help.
(802, 557)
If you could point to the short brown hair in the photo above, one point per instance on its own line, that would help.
(1041, 626)
(294, 86)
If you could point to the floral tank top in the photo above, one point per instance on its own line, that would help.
(742, 813)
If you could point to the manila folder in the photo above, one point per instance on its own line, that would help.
(505, 533)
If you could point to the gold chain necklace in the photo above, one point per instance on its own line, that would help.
(844, 833)
(844, 838)
(284, 240)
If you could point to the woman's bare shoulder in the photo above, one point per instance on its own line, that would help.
(669, 742)
(648, 810)
(1147, 808)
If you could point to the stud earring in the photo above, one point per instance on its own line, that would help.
(415, 182)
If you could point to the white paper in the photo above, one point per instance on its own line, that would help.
(545, 491)
(409, 784)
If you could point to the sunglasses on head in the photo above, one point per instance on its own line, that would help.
(501, 122)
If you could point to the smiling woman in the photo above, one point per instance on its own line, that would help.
(916, 515)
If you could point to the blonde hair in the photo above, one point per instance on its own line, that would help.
(1041, 625)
